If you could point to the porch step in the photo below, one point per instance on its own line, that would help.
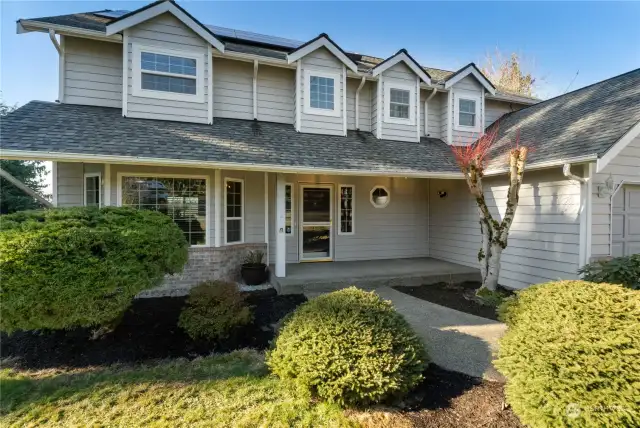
(318, 286)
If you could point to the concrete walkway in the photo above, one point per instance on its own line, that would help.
(455, 340)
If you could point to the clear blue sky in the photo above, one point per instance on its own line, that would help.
(599, 40)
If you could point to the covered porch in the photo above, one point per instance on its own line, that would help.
(320, 277)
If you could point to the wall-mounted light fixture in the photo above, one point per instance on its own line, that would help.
(442, 194)
(606, 188)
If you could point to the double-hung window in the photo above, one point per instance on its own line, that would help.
(399, 102)
(467, 117)
(234, 210)
(322, 93)
(183, 199)
(168, 74)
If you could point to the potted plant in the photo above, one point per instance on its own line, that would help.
(254, 271)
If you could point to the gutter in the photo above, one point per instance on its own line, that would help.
(26, 26)
(358, 103)
(547, 164)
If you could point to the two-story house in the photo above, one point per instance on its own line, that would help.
(315, 153)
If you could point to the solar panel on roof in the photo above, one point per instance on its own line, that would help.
(111, 13)
(254, 37)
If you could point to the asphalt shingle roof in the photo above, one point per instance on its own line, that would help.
(580, 123)
(73, 129)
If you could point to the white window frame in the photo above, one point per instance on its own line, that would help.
(241, 241)
(353, 209)
(388, 86)
(456, 113)
(337, 98)
(207, 229)
(293, 223)
(373, 189)
(84, 187)
(136, 69)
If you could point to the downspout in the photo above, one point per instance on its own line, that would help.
(255, 89)
(584, 207)
(358, 103)
(52, 36)
(426, 110)
(61, 76)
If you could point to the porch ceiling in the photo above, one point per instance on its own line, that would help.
(100, 134)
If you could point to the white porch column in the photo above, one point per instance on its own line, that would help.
(266, 215)
(280, 232)
(54, 183)
(107, 185)
(217, 208)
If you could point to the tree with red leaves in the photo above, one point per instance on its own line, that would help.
(472, 160)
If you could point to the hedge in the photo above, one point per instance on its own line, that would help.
(571, 354)
(349, 347)
(70, 267)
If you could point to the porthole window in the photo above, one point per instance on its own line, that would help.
(380, 197)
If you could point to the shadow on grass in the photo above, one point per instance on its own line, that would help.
(23, 389)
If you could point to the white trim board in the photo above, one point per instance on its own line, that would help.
(398, 57)
(337, 98)
(390, 84)
(322, 41)
(198, 176)
(457, 96)
(145, 13)
(471, 70)
(618, 147)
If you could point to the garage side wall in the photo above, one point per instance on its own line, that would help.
(544, 239)
(624, 167)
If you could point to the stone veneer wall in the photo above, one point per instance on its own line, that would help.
(205, 263)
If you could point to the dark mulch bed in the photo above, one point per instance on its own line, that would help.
(446, 399)
(149, 330)
(454, 296)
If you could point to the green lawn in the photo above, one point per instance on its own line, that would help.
(224, 390)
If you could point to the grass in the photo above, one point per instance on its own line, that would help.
(223, 390)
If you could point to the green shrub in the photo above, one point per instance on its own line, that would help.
(571, 354)
(619, 270)
(69, 267)
(213, 310)
(349, 347)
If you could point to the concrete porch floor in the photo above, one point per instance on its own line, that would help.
(317, 278)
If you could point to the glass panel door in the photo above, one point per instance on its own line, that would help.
(316, 223)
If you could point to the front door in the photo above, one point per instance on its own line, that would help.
(316, 208)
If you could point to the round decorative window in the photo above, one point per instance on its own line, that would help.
(380, 197)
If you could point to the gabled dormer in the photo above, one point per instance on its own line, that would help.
(321, 86)
(396, 111)
(167, 64)
(464, 108)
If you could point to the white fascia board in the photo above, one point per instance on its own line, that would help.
(159, 9)
(470, 69)
(322, 42)
(132, 160)
(618, 147)
(396, 59)
(26, 26)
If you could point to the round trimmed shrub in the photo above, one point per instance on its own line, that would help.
(571, 354)
(349, 347)
(81, 267)
(213, 310)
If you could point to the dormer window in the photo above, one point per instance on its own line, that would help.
(167, 74)
(322, 93)
(399, 103)
(467, 113)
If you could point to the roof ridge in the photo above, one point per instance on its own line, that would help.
(576, 90)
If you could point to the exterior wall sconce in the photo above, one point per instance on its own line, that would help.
(606, 188)
(442, 194)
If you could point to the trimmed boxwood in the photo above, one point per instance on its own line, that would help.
(349, 347)
(571, 354)
(69, 267)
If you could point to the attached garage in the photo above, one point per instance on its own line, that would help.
(626, 221)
